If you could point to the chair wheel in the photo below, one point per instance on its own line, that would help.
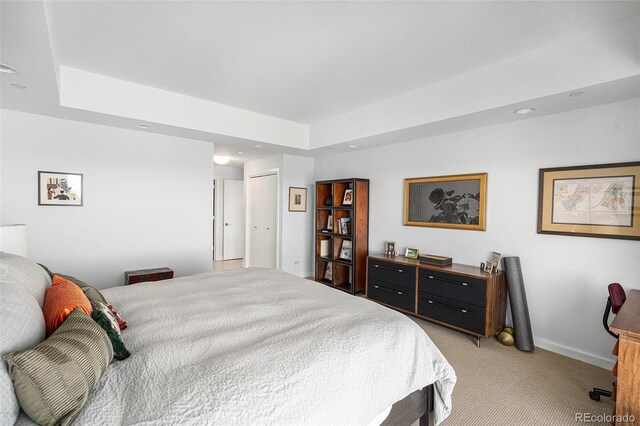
(594, 396)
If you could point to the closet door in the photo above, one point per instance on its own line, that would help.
(269, 221)
(255, 217)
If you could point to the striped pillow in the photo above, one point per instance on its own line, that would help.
(53, 379)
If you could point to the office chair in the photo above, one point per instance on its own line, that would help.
(615, 301)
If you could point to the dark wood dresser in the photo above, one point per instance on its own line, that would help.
(458, 296)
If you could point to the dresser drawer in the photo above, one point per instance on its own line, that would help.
(391, 294)
(469, 317)
(456, 287)
(392, 273)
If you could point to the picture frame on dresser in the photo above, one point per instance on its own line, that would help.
(455, 202)
(601, 200)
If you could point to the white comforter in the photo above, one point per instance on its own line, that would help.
(259, 346)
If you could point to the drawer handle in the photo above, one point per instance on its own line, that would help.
(444, 305)
(431, 277)
(389, 290)
(388, 269)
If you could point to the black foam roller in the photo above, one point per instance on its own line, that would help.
(519, 308)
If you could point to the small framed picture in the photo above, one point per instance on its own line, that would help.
(345, 225)
(330, 223)
(59, 189)
(390, 248)
(411, 253)
(328, 273)
(297, 199)
(347, 200)
(491, 265)
(345, 251)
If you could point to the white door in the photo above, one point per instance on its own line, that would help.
(263, 241)
(233, 222)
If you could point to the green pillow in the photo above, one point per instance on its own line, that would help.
(53, 379)
(103, 316)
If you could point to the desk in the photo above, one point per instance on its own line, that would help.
(627, 369)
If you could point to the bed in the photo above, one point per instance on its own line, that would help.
(259, 346)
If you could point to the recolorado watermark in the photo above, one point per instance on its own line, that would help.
(604, 418)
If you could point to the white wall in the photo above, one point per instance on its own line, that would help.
(565, 277)
(295, 228)
(220, 174)
(147, 197)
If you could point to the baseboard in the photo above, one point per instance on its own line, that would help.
(598, 361)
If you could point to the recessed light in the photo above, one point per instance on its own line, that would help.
(18, 86)
(258, 146)
(220, 159)
(352, 146)
(576, 94)
(7, 69)
(239, 152)
(144, 126)
(524, 110)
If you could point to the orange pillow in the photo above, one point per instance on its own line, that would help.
(60, 300)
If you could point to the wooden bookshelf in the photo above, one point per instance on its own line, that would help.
(339, 224)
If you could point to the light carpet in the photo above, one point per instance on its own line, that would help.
(500, 385)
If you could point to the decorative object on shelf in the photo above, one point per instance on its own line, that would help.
(411, 253)
(519, 307)
(506, 336)
(390, 248)
(59, 189)
(345, 251)
(347, 200)
(491, 265)
(432, 259)
(345, 225)
(328, 273)
(457, 202)
(330, 223)
(590, 201)
(328, 201)
(324, 248)
(297, 199)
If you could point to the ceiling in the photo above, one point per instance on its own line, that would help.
(305, 62)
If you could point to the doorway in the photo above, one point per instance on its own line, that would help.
(263, 239)
(232, 220)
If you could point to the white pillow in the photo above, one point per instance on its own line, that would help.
(25, 274)
(22, 288)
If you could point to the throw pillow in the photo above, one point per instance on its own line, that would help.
(53, 379)
(122, 324)
(103, 316)
(60, 300)
(92, 293)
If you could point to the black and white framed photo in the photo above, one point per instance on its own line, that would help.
(390, 248)
(297, 199)
(345, 225)
(59, 189)
(330, 223)
(346, 250)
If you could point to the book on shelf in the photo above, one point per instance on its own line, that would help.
(346, 250)
(345, 225)
(328, 273)
(324, 248)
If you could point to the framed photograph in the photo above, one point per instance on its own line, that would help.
(390, 248)
(456, 202)
(347, 200)
(345, 251)
(330, 223)
(411, 253)
(345, 225)
(297, 199)
(328, 273)
(590, 201)
(492, 264)
(59, 189)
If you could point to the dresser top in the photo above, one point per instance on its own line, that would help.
(455, 268)
(627, 320)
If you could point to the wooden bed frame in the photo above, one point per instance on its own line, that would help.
(417, 405)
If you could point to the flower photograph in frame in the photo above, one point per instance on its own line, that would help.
(412, 253)
(59, 189)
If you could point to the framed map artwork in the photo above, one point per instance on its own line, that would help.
(590, 201)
